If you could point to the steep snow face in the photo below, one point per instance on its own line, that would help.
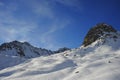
(98, 61)
(24, 49)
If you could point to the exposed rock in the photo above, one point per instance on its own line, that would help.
(62, 50)
(98, 31)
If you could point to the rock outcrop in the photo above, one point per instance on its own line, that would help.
(97, 32)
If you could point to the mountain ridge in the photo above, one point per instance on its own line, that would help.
(22, 49)
(17, 48)
(99, 32)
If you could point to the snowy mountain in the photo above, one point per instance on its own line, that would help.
(26, 50)
(16, 52)
(23, 49)
(97, 59)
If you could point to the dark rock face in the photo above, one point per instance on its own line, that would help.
(62, 50)
(96, 32)
(15, 44)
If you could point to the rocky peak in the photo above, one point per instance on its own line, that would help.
(16, 45)
(16, 48)
(13, 44)
(98, 31)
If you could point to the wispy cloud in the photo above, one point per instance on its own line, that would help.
(11, 27)
(21, 32)
(71, 3)
(41, 7)
(47, 37)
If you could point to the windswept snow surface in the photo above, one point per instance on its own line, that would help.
(95, 62)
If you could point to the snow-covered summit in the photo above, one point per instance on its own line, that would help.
(23, 49)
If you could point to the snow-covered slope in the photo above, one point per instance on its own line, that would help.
(100, 64)
(100, 60)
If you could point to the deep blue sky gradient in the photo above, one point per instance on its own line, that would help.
(53, 24)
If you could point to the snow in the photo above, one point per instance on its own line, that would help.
(9, 61)
(97, 61)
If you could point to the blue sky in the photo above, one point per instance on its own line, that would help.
(53, 24)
